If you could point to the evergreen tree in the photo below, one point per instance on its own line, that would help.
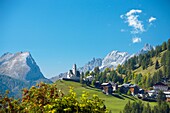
(148, 81)
(127, 108)
(163, 61)
(158, 50)
(138, 78)
(161, 97)
(147, 109)
(157, 65)
(164, 46)
(168, 45)
(87, 73)
(150, 63)
(97, 70)
(144, 81)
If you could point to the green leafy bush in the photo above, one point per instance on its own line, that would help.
(46, 98)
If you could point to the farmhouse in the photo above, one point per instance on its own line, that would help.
(107, 88)
(124, 88)
(134, 89)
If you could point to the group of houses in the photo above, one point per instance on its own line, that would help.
(135, 90)
(111, 88)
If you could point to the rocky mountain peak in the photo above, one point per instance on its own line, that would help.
(95, 62)
(147, 47)
(20, 65)
(114, 58)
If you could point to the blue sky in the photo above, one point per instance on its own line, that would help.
(59, 33)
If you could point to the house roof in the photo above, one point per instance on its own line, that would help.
(151, 91)
(126, 85)
(141, 89)
(160, 83)
(134, 85)
(167, 96)
(89, 76)
(167, 92)
(120, 86)
(105, 84)
(97, 82)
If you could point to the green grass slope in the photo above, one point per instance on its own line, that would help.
(150, 69)
(115, 104)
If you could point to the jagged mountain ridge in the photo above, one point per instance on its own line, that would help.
(91, 65)
(112, 60)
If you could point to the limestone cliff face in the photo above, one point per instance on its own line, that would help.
(20, 66)
(18, 71)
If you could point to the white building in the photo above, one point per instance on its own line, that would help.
(73, 74)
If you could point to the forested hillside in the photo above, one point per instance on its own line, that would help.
(144, 69)
(151, 67)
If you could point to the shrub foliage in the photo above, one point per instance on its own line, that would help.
(46, 98)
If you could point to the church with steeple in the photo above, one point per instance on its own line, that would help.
(73, 74)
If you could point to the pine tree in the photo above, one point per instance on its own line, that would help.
(148, 81)
(168, 45)
(167, 65)
(127, 108)
(157, 65)
(163, 61)
(161, 97)
(164, 46)
(147, 109)
(97, 70)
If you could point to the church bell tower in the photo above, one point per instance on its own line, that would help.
(74, 69)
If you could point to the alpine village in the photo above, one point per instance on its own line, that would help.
(140, 85)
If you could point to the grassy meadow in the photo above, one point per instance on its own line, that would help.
(115, 104)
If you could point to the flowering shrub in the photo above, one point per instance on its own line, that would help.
(46, 98)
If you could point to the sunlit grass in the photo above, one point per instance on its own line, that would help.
(112, 103)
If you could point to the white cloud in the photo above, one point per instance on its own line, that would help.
(136, 40)
(136, 25)
(131, 18)
(133, 11)
(151, 19)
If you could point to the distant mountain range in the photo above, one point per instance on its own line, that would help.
(19, 70)
(112, 60)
